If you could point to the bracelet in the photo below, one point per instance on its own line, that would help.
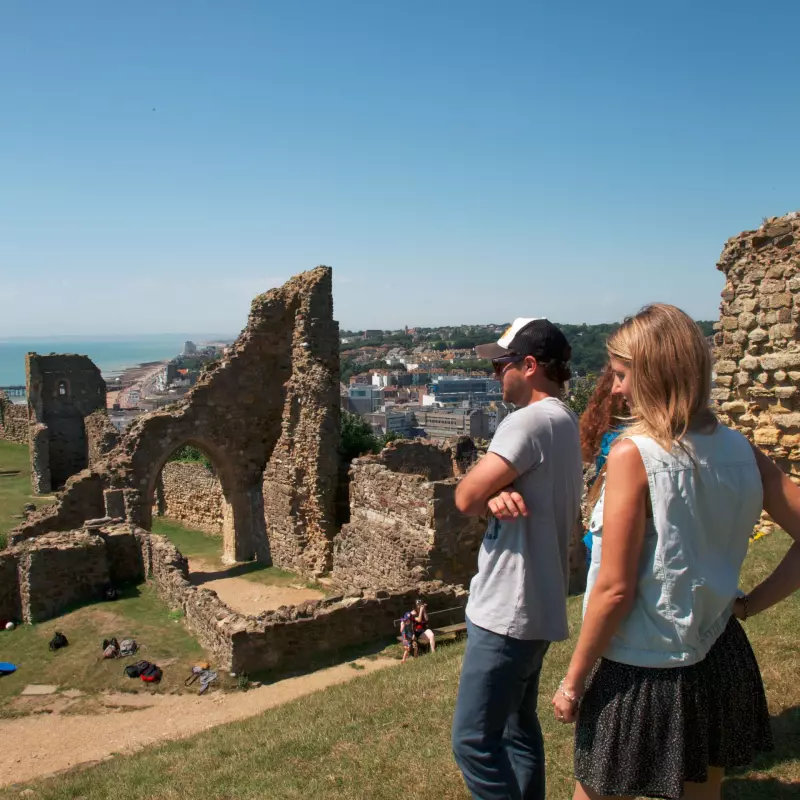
(573, 698)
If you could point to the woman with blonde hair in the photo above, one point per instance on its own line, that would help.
(668, 688)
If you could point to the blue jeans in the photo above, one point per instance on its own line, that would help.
(497, 740)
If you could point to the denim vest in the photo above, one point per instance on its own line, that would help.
(706, 500)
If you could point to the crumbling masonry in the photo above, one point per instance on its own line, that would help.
(757, 345)
(268, 411)
(404, 525)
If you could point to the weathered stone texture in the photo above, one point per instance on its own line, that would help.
(81, 499)
(13, 421)
(190, 493)
(300, 481)
(404, 527)
(759, 345)
(59, 570)
(291, 638)
(62, 391)
(101, 436)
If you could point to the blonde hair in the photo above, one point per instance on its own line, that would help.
(670, 373)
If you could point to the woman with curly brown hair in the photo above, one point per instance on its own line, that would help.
(601, 423)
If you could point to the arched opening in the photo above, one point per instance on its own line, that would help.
(195, 501)
(192, 492)
(63, 390)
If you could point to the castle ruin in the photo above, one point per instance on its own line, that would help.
(757, 344)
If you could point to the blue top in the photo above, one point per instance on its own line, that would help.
(608, 439)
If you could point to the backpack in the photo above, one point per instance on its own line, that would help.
(110, 648)
(128, 647)
(58, 641)
(151, 673)
(135, 670)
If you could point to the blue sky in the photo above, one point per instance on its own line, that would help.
(453, 160)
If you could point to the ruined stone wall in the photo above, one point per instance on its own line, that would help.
(62, 391)
(405, 527)
(292, 638)
(43, 577)
(58, 571)
(81, 499)
(13, 421)
(101, 436)
(272, 398)
(301, 478)
(191, 494)
(757, 345)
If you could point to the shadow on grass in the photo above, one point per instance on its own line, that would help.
(786, 734)
(386, 648)
(127, 591)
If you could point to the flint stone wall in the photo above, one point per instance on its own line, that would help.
(58, 571)
(13, 421)
(757, 343)
(404, 525)
(190, 493)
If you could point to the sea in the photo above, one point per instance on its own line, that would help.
(110, 354)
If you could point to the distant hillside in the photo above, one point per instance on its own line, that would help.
(588, 343)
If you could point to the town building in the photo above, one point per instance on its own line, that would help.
(445, 423)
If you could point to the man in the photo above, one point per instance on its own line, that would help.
(530, 481)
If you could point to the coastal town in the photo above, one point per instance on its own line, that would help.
(410, 383)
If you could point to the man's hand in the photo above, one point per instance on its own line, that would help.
(492, 474)
(507, 505)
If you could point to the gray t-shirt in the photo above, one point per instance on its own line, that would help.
(523, 565)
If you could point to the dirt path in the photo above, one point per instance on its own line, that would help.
(248, 597)
(36, 746)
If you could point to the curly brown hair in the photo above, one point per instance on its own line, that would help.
(602, 413)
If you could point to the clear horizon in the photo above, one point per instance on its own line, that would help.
(163, 164)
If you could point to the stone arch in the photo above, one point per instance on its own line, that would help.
(243, 527)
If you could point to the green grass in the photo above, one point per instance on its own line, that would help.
(137, 613)
(357, 740)
(15, 490)
(208, 547)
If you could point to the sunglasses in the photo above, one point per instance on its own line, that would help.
(499, 364)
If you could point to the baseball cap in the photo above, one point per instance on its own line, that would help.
(529, 336)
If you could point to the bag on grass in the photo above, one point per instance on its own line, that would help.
(135, 670)
(151, 674)
(128, 647)
(110, 648)
(58, 641)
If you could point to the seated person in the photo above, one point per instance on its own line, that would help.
(421, 626)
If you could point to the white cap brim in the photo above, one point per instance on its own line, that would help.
(491, 350)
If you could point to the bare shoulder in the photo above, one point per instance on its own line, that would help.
(624, 451)
(625, 459)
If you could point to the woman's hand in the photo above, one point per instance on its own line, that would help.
(565, 705)
(507, 505)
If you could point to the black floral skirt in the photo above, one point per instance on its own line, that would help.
(644, 732)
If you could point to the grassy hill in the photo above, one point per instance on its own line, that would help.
(358, 740)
